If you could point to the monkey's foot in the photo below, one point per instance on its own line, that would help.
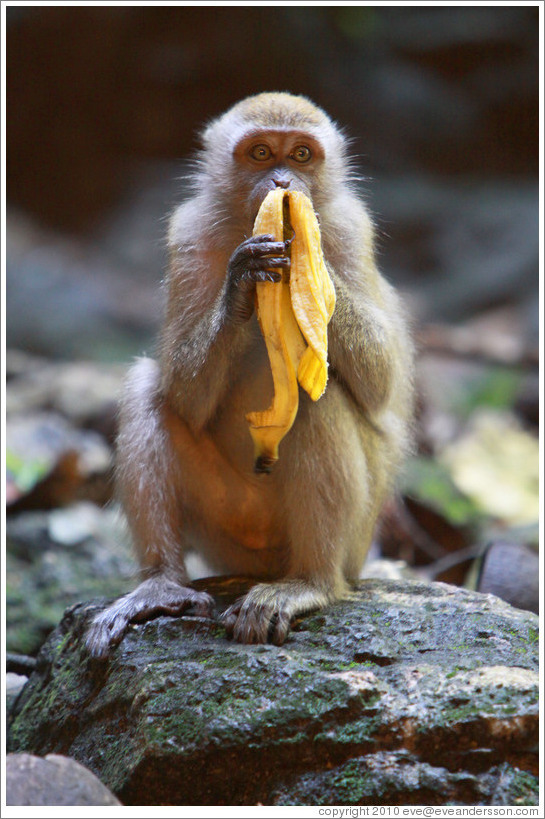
(265, 614)
(157, 595)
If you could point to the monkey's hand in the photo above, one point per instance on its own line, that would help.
(154, 596)
(265, 614)
(253, 261)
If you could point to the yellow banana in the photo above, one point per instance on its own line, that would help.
(312, 294)
(285, 345)
(293, 316)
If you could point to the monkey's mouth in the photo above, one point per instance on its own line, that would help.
(288, 230)
(289, 233)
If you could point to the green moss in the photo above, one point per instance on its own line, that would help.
(314, 624)
(430, 481)
(329, 665)
(354, 733)
(175, 731)
(497, 389)
(350, 784)
(525, 788)
(498, 702)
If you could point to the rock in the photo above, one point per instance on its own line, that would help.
(511, 571)
(408, 691)
(14, 685)
(55, 780)
(404, 780)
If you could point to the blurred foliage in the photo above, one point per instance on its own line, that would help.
(497, 389)
(496, 463)
(430, 482)
(25, 472)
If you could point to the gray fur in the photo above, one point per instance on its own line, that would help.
(185, 456)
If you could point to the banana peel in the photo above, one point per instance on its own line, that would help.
(312, 294)
(293, 315)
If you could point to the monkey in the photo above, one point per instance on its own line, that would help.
(184, 453)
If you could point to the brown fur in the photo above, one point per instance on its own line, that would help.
(185, 455)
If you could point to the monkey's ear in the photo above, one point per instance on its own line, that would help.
(224, 132)
(209, 128)
(205, 134)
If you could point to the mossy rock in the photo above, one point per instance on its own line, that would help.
(406, 693)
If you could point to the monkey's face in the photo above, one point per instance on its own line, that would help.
(269, 159)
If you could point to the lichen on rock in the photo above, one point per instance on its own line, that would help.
(407, 693)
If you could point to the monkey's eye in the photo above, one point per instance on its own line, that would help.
(261, 153)
(301, 154)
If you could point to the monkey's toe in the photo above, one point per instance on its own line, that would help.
(230, 616)
(251, 623)
(154, 596)
(202, 604)
(105, 631)
(279, 629)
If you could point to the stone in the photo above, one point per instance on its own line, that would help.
(511, 571)
(407, 692)
(55, 780)
(14, 685)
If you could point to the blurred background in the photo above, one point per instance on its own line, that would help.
(103, 106)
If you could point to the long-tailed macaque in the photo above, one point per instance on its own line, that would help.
(185, 455)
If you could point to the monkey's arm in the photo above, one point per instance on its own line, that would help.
(209, 304)
(363, 343)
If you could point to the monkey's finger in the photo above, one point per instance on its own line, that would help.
(251, 249)
(258, 265)
(262, 237)
(282, 261)
(203, 604)
(266, 276)
(172, 601)
(98, 644)
(105, 631)
(279, 629)
(252, 626)
(272, 276)
(230, 616)
(248, 622)
(234, 609)
(264, 249)
(251, 277)
(229, 624)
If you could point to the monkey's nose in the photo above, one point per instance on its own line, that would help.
(282, 183)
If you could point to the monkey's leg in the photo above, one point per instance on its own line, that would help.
(265, 614)
(149, 483)
(325, 503)
(156, 595)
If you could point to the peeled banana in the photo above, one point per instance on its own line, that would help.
(293, 315)
(312, 294)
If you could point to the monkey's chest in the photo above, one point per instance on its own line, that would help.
(250, 388)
